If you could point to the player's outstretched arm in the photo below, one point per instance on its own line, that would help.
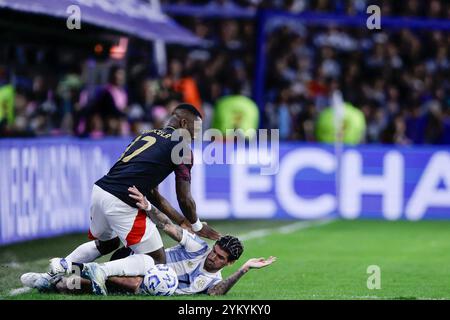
(160, 219)
(188, 207)
(185, 200)
(163, 205)
(225, 285)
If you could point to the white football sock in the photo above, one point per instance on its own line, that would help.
(135, 265)
(87, 252)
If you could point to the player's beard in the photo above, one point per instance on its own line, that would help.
(209, 264)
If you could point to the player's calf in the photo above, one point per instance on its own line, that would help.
(84, 253)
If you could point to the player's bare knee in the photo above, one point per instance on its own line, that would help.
(106, 247)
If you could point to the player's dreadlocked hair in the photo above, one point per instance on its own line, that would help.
(232, 245)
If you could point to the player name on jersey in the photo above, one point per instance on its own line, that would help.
(159, 132)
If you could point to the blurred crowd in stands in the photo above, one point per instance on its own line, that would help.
(399, 79)
(438, 9)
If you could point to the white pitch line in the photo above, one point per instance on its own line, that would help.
(261, 233)
(16, 292)
(12, 265)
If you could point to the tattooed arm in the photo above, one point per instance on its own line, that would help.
(156, 199)
(160, 219)
(224, 286)
(164, 223)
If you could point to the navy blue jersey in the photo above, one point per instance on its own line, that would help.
(145, 164)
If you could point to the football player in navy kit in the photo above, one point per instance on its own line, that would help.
(146, 162)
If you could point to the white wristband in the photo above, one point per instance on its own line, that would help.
(197, 226)
(149, 205)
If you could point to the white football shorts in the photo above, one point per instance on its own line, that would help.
(111, 217)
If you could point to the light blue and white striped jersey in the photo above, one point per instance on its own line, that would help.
(187, 259)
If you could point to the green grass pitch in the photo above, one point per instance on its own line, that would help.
(327, 261)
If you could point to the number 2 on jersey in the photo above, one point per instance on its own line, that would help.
(150, 141)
